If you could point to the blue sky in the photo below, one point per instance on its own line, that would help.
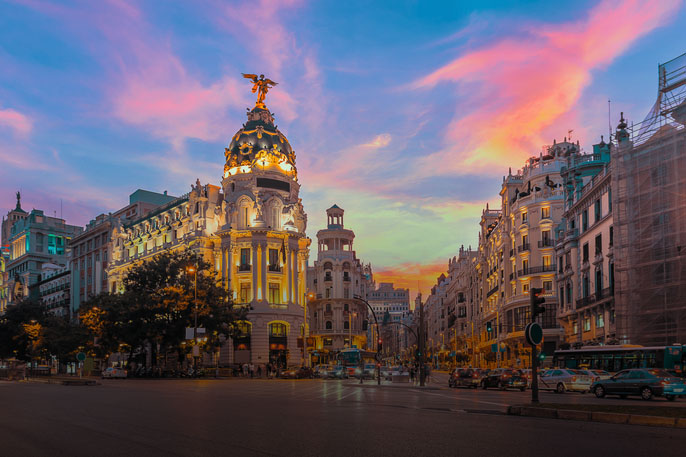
(406, 114)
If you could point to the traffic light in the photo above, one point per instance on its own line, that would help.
(489, 326)
(541, 356)
(536, 301)
(380, 345)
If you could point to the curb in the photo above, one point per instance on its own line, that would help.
(597, 416)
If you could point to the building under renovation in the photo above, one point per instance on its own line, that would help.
(649, 183)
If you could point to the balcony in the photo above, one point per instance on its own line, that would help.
(346, 278)
(536, 270)
(594, 298)
(492, 291)
(547, 243)
(328, 278)
(524, 247)
(244, 267)
(274, 268)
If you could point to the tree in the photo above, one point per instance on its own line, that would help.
(158, 304)
(20, 334)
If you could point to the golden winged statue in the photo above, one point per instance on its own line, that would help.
(261, 86)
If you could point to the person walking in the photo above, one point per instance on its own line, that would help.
(252, 371)
(259, 371)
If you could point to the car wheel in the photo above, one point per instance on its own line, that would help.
(560, 389)
(670, 397)
(646, 393)
(599, 391)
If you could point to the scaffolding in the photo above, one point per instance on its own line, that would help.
(649, 186)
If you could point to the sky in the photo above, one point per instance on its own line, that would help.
(405, 113)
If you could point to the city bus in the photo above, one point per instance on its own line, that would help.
(350, 358)
(616, 358)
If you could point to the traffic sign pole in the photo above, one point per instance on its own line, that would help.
(534, 335)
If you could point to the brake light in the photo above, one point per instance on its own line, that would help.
(573, 378)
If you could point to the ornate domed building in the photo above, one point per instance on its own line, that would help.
(264, 249)
(252, 230)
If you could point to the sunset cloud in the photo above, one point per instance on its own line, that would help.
(512, 90)
(15, 121)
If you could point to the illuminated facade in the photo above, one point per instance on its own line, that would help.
(36, 240)
(337, 319)
(251, 229)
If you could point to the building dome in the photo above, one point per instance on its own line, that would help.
(259, 145)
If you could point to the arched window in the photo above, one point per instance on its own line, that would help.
(329, 326)
(278, 329)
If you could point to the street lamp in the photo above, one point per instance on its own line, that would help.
(308, 296)
(194, 270)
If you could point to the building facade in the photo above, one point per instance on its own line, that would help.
(34, 241)
(92, 249)
(339, 282)
(54, 289)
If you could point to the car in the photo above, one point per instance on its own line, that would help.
(297, 373)
(114, 372)
(561, 380)
(369, 371)
(596, 375)
(466, 377)
(504, 378)
(677, 373)
(645, 382)
(337, 372)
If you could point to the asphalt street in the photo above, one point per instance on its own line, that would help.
(298, 418)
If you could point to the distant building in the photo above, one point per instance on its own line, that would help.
(337, 319)
(92, 250)
(36, 240)
(392, 308)
(53, 289)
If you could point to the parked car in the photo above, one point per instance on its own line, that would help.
(646, 382)
(114, 372)
(504, 378)
(561, 380)
(466, 377)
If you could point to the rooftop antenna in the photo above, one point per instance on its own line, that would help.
(609, 120)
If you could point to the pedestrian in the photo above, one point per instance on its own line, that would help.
(252, 371)
(245, 370)
(259, 371)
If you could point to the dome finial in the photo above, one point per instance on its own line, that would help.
(261, 86)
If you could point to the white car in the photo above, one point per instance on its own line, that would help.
(114, 372)
(562, 380)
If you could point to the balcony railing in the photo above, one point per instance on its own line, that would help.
(274, 268)
(346, 278)
(596, 297)
(536, 270)
(492, 291)
(328, 278)
(244, 267)
(524, 247)
(546, 243)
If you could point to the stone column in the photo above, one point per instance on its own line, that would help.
(254, 271)
(263, 271)
(296, 289)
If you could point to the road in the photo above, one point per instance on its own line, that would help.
(296, 418)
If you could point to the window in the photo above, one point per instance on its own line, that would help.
(569, 293)
(597, 210)
(547, 261)
(346, 307)
(277, 329)
(575, 328)
(545, 213)
(562, 295)
(545, 238)
(584, 220)
(609, 199)
(525, 241)
(599, 244)
(328, 292)
(244, 217)
(346, 325)
(548, 286)
(584, 286)
(598, 281)
(245, 260)
(525, 288)
(346, 293)
(612, 236)
(52, 244)
(274, 260)
(585, 253)
(587, 324)
(328, 341)
(246, 295)
(274, 295)
(328, 307)
(525, 217)
(525, 266)
(329, 326)
(600, 320)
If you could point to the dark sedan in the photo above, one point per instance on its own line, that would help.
(467, 377)
(297, 373)
(645, 382)
(504, 378)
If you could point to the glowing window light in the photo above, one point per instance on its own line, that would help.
(285, 166)
(245, 169)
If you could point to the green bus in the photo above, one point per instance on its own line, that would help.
(616, 358)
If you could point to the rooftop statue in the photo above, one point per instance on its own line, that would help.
(261, 86)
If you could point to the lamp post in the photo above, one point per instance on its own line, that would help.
(308, 296)
(376, 322)
(194, 270)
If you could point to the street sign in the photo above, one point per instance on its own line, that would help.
(81, 356)
(533, 333)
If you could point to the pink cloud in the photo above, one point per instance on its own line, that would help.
(15, 121)
(515, 90)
